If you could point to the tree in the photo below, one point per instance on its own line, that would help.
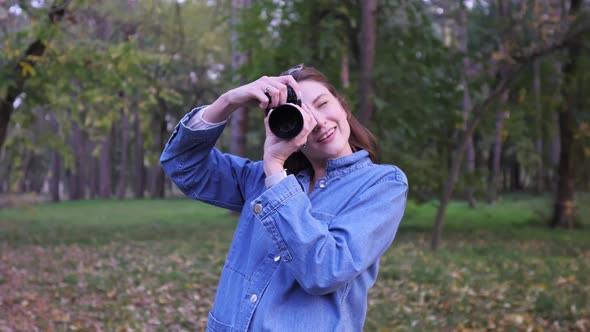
(463, 45)
(18, 74)
(367, 53)
(515, 63)
(240, 57)
(563, 213)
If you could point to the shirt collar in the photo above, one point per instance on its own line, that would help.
(343, 165)
(346, 161)
(347, 164)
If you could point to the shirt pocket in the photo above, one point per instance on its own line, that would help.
(323, 217)
(213, 325)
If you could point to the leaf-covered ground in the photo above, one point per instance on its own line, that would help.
(154, 265)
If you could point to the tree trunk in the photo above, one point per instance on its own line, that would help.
(312, 38)
(55, 176)
(139, 157)
(496, 157)
(4, 172)
(85, 157)
(38, 176)
(457, 156)
(76, 178)
(239, 119)
(470, 162)
(158, 176)
(563, 211)
(555, 151)
(55, 169)
(368, 35)
(555, 146)
(540, 171)
(104, 185)
(344, 70)
(93, 175)
(515, 176)
(22, 185)
(122, 186)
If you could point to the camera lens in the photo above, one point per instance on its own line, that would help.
(285, 121)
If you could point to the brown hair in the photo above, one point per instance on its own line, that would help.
(360, 137)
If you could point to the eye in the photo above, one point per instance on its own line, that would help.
(322, 104)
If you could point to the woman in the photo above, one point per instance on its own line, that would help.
(306, 249)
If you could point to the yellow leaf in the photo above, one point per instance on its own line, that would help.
(496, 55)
(27, 69)
(35, 58)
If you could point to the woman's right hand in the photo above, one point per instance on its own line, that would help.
(252, 95)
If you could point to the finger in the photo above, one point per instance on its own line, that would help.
(288, 79)
(309, 119)
(283, 93)
(273, 94)
(263, 100)
(266, 124)
(279, 90)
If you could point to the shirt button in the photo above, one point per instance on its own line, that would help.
(277, 258)
(253, 298)
(322, 183)
(258, 208)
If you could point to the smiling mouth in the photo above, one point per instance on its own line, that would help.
(327, 134)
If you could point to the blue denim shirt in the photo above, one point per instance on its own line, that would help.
(296, 262)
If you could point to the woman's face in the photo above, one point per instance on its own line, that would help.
(329, 139)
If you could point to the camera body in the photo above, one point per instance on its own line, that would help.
(286, 121)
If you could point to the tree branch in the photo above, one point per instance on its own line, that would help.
(572, 36)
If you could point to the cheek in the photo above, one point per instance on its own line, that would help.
(345, 127)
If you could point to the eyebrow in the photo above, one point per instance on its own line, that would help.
(318, 97)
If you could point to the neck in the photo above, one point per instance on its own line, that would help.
(319, 171)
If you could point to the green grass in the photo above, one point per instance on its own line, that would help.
(153, 265)
(99, 222)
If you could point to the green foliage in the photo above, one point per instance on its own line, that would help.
(416, 75)
(159, 59)
(417, 98)
(108, 57)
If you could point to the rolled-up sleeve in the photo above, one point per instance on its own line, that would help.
(202, 172)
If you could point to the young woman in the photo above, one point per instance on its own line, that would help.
(317, 212)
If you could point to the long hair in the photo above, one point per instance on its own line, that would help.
(360, 137)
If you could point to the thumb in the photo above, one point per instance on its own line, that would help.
(267, 125)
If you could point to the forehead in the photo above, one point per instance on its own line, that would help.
(311, 89)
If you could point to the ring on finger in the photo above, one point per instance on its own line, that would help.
(267, 89)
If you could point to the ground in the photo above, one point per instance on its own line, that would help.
(153, 265)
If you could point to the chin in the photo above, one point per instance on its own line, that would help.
(333, 155)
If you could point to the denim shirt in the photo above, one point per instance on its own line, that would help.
(296, 262)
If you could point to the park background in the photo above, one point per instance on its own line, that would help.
(484, 104)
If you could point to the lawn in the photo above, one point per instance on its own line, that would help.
(153, 265)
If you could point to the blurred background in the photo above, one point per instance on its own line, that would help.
(484, 104)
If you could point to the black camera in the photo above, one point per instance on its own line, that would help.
(286, 121)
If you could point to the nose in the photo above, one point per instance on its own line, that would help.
(320, 121)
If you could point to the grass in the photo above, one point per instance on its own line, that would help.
(153, 265)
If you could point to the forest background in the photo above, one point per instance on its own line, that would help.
(476, 100)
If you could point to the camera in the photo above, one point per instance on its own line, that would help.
(286, 121)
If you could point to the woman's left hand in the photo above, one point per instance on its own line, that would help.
(277, 150)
